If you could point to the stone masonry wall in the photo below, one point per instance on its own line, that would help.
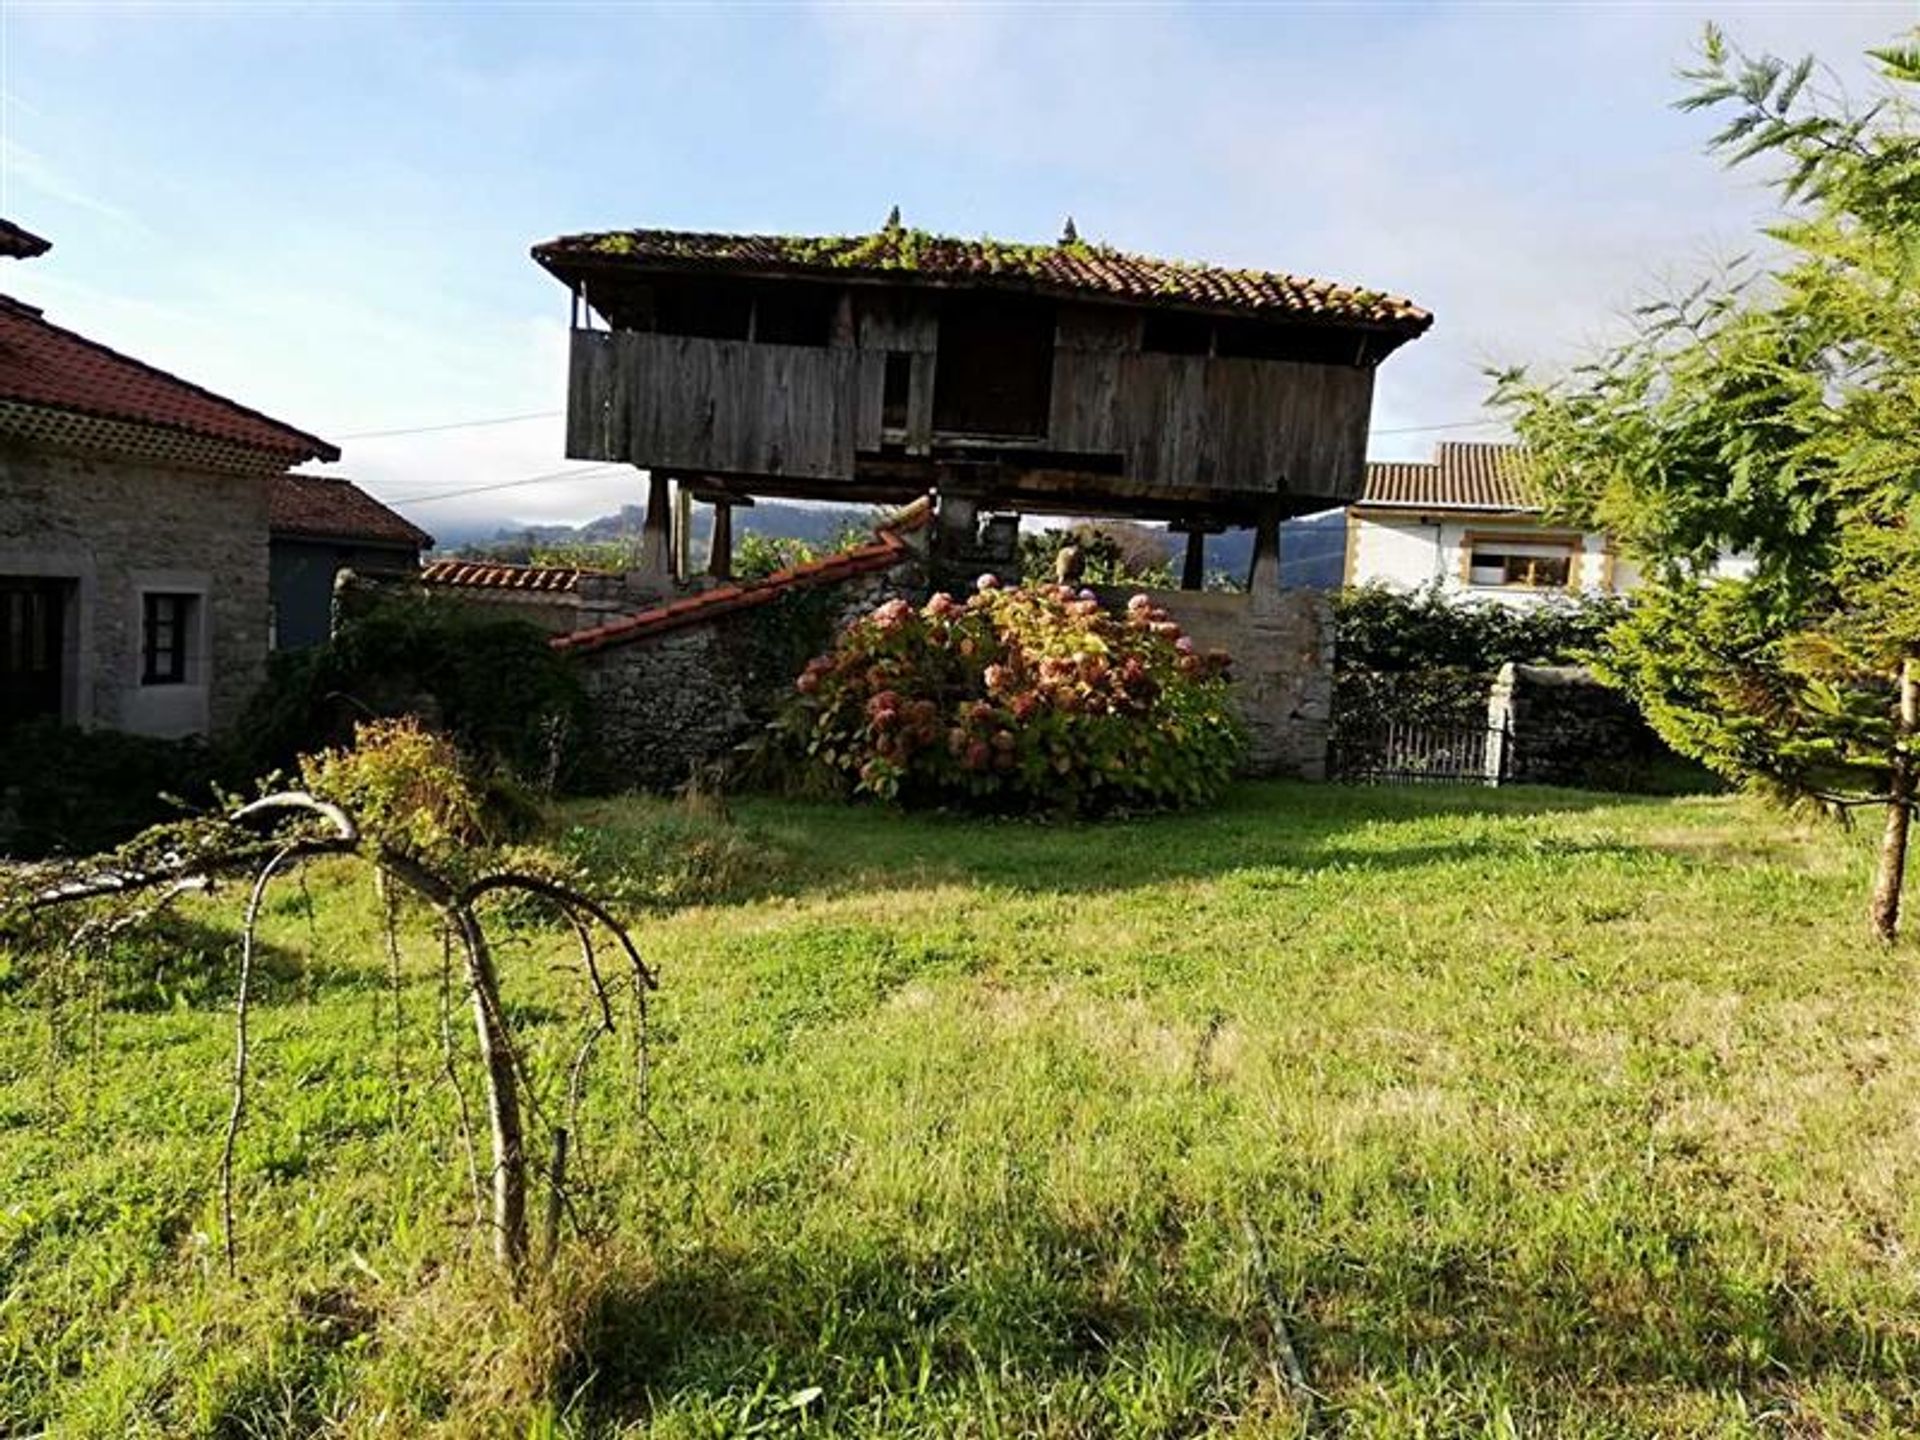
(1282, 677)
(111, 529)
(1558, 725)
(670, 702)
(667, 704)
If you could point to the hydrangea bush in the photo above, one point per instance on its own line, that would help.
(1032, 699)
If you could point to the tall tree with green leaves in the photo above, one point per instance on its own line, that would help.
(1774, 412)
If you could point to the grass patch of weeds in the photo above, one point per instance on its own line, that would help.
(1553, 1114)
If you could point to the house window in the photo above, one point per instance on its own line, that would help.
(166, 636)
(1529, 564)
(795, 315)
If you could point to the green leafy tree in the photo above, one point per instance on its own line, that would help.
(1773, 411)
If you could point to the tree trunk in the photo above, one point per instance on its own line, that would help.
(1885, 910)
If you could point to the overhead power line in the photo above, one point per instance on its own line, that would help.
(428, 497)
(1450, 425)
(452, 425)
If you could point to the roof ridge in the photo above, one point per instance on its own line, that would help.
(897, 250)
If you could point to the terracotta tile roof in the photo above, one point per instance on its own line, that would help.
(324, 507)
(1463, 475)
(886, 551)
(1071, 268)
(499, 575)
(19, 243)
(47, 368)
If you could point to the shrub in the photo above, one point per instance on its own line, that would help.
(405, 786)
(64, 790)
(1028, 699)
(1378, 627)
(493, 684)
(756, 556)
(1112, 552)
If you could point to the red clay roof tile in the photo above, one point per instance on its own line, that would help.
(1071, 268)
(886, 551)
(1463, 475)
(497, 575)
(326, 508)
(44, 366)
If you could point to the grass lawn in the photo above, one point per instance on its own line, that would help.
(1527, 1112)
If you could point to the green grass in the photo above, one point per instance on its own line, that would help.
(1530, 1112)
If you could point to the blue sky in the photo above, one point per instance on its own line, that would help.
(324, 211)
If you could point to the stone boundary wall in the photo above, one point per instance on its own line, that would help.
(668, 704)
(1558, 725)
(1281, 642)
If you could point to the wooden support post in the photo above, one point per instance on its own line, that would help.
(682, 533)
(720, 540)
(720, 546)
(1193, 573)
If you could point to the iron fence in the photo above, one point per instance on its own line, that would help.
(1408, 754)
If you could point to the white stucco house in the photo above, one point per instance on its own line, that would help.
(1469, 521)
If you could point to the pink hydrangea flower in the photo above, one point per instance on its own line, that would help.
(988, 581)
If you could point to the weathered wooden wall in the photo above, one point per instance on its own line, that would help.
(1190, 425)
(728, 406)
(1248, 427)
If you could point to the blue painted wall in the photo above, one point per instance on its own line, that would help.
(300, 577)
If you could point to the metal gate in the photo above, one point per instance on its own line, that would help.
(1407, 754)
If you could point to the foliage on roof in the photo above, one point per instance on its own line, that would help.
(1072, 265)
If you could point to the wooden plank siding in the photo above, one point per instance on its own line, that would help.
(1180, 427)
(728, 406)
(1243, 427)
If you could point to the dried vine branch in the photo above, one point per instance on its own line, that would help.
(269, 833)
(241, 995)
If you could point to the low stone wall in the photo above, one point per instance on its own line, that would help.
(1558, 725)
(667, 704)
(1282, 678)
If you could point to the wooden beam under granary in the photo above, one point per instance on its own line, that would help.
(1065, 378)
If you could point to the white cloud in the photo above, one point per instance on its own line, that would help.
(1514, 169)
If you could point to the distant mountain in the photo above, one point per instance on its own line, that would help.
(1312, 548)
(816, 524)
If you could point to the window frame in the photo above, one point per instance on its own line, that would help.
(1564, 545)
(182, 625)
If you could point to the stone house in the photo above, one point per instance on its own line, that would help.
(133, 533)
(320, 525)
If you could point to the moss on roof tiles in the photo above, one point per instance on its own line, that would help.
(1072, 264)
